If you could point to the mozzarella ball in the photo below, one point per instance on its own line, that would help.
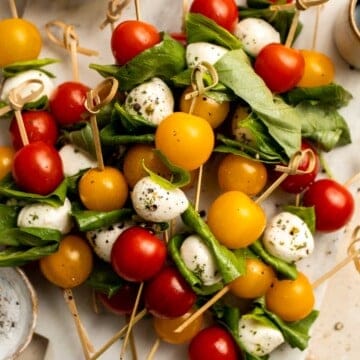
(103, 239)
(288, 237)
(46, 216)
(75, 159)
(255, 34)
(257, 338)
(13, 82)
(155, 203)
(152, 100)
(203, 51)
(199, 259)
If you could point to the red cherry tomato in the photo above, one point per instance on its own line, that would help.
(37, 168)
(281, 67)
(39, 125)
(213, 343)
(67, 103)
(223, 12)
(167, 294)
(122, 302)
(132, 37)
(333, 203)
(295, 184)
(137, 254)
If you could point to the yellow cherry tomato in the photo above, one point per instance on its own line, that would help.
(6, 159)
(239, 173)
(204, 106)
(71, 265)
(165, 327)
(133, 164)
(291, 300)
(235, 219)
(255, 282)
(20, 40)
(103, 190)
(319, 69)
(186, 140)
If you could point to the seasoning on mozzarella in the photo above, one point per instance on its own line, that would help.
(14, 81)
(103, 239)
(203, 51)
(199, 259)
(75, 159)
(154, 203)
(153, 100)
(257, 337)
(255, 34)
(288, 237)
(46, 216)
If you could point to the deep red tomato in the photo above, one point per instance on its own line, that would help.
(281, 67)
(122, 302)
(333, 203)
(213, 343)
(132, 37)
(67, 103)
(295, 184)
(167, 295)
(39, 125)
(137, 254)
(223, 12)
(37, 168)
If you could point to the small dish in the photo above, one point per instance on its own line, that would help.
(18, 312)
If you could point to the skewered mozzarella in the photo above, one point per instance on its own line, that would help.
(203, 51)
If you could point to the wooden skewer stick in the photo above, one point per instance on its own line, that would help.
(115, 8)
(13, 9)
(137, 10)
(154, 349)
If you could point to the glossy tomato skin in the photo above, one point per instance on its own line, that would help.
(137, 254)
(67, 103)
(295, 184)
(281, 67)
(37, 168)
(213, 343)
(167, 295)
(132, 37)
(334, 204)
(223, 12)
(39, 125)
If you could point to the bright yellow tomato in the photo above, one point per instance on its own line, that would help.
(6, 159)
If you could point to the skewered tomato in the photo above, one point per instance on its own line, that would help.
(71, 265)
(6, 160)
(186, 140)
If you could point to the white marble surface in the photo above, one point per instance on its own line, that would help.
(339, 305)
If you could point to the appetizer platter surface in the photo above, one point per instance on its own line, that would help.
(334, 134)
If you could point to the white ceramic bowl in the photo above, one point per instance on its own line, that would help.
(18, 312)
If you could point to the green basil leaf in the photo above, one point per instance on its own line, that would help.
(200, 28)
(287, 270)
(39, 104)
(8, 217)
(307, 214)
(88, 220)
(21, 66)
(228, 264)
(281, 120)
(105, 70)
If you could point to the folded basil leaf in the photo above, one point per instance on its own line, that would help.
(39, 104)
(200, 28)
(281, 120)
(17, 256)
(21, 66)
(88, 220)
(307, 214)
(191, 278)
(287, 270)
(229, 266)
(9, 189)
(8, 216)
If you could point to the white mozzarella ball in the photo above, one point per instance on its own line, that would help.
(103, 239)
(257, 338)
(155, 203)
(199, 259)
(75, 159)
(13, 82)
(288, 237)
(203, 51)
(153, 100)
(255, 34)
(46, 216)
